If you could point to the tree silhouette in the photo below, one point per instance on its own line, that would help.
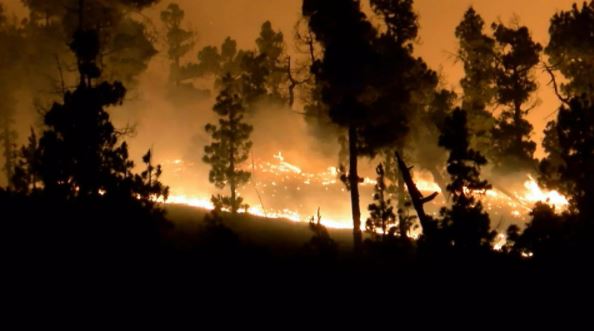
(381, 213)
(11, 65)
(271, 47)
(126, 44)
(179, 42)
(477, 54)
(400, 19)
(81, 154)
(26, 179)
(465, 225)
(571, 43)
(341, 28)
(546, 237)
(366, 80)
(519, 54)
(321, 244)
(263, 71)
(567, 167)
(231, 145)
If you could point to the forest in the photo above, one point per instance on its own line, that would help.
(399, 173)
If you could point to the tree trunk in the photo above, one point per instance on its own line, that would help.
(415, 195)
(354, 186)
(231, 174)
(402, 226)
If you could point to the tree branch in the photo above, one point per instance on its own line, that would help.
(553, 82)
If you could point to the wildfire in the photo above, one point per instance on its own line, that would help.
(535, 193)
(285, 214)
(279, 183)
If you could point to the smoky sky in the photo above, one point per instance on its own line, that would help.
(174, 129)
(214, 20)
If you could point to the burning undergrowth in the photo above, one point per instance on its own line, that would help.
(283, 189)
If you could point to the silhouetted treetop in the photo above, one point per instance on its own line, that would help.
(126, 44)
(517, 57)
(571, 47)
(477, 53)
(465, 225)
(400, 19)
(179, 41)
(568, 166)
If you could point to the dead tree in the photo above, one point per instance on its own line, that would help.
(417, 198)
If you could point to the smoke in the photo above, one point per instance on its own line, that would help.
(174, 127)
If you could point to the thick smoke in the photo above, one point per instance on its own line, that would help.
(174, 129)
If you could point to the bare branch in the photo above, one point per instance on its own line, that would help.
(553, 82)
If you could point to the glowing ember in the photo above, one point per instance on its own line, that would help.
(499, 241)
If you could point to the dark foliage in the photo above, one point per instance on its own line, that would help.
(381, 212)
(231, 145)
(477, 54)
(518, 56)
(465, 225)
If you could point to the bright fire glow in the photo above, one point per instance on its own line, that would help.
(535, 193)
(289, 192)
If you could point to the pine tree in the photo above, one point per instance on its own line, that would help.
(477, 54)
(26, 176)
(8, 138)
(569, 50)
(381, 212)
(465, 225)
(365, 79)
(271, 46)
(11, 65)
(231, 145)
(126, 44)
(567, 168)
(179, 42)
(81, 154)
(519, 54)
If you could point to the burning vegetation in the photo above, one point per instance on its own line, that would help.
(351, 127)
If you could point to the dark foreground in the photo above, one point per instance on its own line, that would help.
(53, 248)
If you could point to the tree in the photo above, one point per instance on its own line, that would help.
(568, 162)
(465, 225)
(546, 237)
(477, 54)
(271, 47)
(25, 178)
(11, 65)
(517, 57)
(81, 154)
(366, 80)
(381, 212)
(344, 33)
(321, 244)
(263, 71)
(126, 44)
(570, 47)
(179, 41)
(400, 19)
(231, 145)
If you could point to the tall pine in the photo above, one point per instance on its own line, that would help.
(230, 145)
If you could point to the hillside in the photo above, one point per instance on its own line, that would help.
(278, 235)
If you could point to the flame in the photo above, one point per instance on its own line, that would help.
(289, 192)
(285, 214)
(534, 193)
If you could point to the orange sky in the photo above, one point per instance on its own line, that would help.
(215, 19)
